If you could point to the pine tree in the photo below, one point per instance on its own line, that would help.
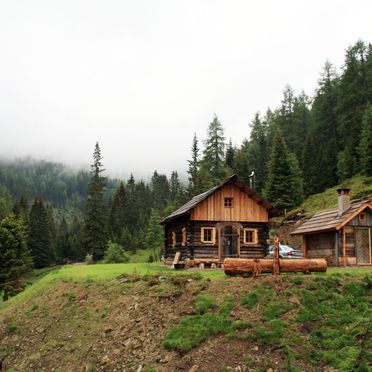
(154, 235)
(213, 154)
(193, 170)
(280, 187)
(16, 260)
(40, 235)
(175, 188)
(309, 166)
(241, 164)
(95, 213)
(230, 155)
(365, 146)
(118, 213)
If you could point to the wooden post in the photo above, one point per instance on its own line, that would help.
(304, 250)
(344, 246)
(276, 265)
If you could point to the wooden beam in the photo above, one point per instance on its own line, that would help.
(344, 246)
(304, 248)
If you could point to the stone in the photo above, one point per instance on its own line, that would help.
(194, 368)
(255, 348)
(105, 359)
(116, 351)
(270, 370)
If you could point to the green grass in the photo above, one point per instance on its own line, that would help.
(361, 188)
(143, 255)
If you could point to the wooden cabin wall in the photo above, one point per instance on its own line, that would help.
(199, 249)
(322, 245)
(350, 241)
(245, 209)
(176, 226)
(258, 250)
(358, 223)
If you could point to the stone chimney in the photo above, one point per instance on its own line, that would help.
(343, 200)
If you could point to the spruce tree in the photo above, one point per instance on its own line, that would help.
(214, 152)
(118, 213)
(154, 235)
(230, 155)
(365, 146)
(174, 188)
(282, 180)
(16, 260)
(40, 235)
(95, 213)
(193, 171)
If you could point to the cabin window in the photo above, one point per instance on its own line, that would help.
(228, 202)
(184, 237)
(250, 236)
(207, 235)
(362, 217)
(174, 239)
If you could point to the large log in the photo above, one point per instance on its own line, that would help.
(238, 266)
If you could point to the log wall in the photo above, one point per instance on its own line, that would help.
(322, 246)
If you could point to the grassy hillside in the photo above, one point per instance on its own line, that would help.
(361, 188)
(107, 317)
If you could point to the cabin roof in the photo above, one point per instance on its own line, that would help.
(330, 220)
(199, 198)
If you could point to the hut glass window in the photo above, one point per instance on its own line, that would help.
(228, 202)
(207, 235)
(250, 236)
(174, 240)
(183, 237)
(362, 217)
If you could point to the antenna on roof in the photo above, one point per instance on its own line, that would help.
(252, 179)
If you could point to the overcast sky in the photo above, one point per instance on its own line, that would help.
(141, 77)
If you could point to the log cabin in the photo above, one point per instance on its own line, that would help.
(341, 235)
(229, 220)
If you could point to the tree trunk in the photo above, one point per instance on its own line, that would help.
(236, 266)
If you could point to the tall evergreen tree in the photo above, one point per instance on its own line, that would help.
(365, 146)
(214, 152)
(281, 183)
(230, 155)
(193, 171)
(95, 213)
(174, 188)
(118, 212)
(16, 260)
(155, 234)
(40, 235)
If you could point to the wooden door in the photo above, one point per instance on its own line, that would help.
(229, 240)
(363, 245)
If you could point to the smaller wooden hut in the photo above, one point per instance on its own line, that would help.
(341, 235)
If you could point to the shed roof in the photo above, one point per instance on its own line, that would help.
(330, 220)
(199, 198)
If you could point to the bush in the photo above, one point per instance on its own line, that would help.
(204, 303)
(115, 254)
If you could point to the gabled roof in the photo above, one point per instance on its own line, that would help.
(186, 208)
(330, 220)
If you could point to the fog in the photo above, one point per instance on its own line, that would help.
(141, 77)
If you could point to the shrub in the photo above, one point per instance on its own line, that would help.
(250, 300)
(270, 334)
(204, 303)
(114, 254)
(12, 327)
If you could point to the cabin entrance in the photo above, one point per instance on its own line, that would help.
(229, 242)
(363, 245)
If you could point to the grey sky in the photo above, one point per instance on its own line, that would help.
(142, 76)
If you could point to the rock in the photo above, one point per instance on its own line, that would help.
(255, 348)
(116, 351)
(40, 329)
(139, 369)
(194, 368)
(105, 359)
(270, 370)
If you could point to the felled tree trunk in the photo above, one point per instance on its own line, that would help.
(239, 266)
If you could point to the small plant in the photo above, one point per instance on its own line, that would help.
(204, 303)
(250, 300)
(114, 254)
(71, 296)
(247, 359)
(298, 280)
(12, 327)
(227, 306)
(240, 324)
